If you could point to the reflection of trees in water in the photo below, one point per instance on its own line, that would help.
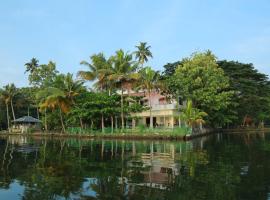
(213, 169)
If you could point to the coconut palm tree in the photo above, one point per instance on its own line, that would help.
(31, 66)
(6, 98)
(61, 96)
(11, 91)
(143, 53)
(149, 80)
(191, 115)
(98, 70)
(57, 99)
(123, 72)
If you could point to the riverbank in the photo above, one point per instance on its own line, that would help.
(245, 130)
(149, 136)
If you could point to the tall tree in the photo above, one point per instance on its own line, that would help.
(41, 75)
(61, 96)
(31, 66)
(149, 80)
(11, 91)
(123, 72)
(143, 53)
(6, 98)
(201, 80)
(98, 71)
(252, 91)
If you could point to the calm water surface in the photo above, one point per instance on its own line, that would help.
(217, 167)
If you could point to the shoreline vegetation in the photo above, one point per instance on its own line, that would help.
(124, 136)
(194, 94)
(135, 135)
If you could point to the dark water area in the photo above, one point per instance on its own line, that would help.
(221, 166)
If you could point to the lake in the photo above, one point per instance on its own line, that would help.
(221, 166)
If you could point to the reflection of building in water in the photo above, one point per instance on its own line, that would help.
(158, 168)
(22, 144)
(17, 140)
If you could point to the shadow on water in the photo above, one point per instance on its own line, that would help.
(222, 166)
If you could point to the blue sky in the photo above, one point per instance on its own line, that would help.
(68, 31)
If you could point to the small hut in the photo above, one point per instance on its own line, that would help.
(26, 124)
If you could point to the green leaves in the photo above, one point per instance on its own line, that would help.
(199, 79)
(191, 115)
(143, 52)
(252, 90)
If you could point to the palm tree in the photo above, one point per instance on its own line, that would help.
(31, 66)
(11, 91)
(149, 80)
(123, 71)
(191, 115)
(61, 96)
(98, 70)
(6, 98)
(57, 99)
(143, 53)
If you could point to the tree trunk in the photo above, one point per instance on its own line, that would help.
(112, 124)
(150, 109)
(12, 109)
(37, 113)
(102, 123)
(116, 123)
(62, 121)
(4, 157)
(122, 109)
(8, 123)
(45, 119)
(81, 123)
(91, 126)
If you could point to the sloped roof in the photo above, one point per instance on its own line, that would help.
(27, 119)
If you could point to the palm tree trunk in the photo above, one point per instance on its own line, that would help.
(91, 126)
(45, 119)
(12, 109)
(116, 123)
(37, 113)
(112, 124)
(62, 121)
(81, 122)
(150, 110)
(102, 123)
(8, 123)
(122, 109)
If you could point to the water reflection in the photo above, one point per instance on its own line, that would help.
(219, 167)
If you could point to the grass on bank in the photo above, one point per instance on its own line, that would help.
(138, 131)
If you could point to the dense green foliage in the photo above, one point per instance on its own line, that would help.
(229, 93)
(200, 79)
(252, 91)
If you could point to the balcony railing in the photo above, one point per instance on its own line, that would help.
(164, 107)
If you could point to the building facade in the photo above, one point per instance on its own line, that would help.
(165, 112)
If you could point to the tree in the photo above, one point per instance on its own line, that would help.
(98, 70)
(252, 91)
(148, 81)
(169, 69)
(31, 66)
(143, 53)
(6, 98)
(11, 91)
(191, 115)
(200, 79)
(41, 75)
(123, 72)
(61, 96)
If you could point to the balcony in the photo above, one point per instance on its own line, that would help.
(164, 107)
